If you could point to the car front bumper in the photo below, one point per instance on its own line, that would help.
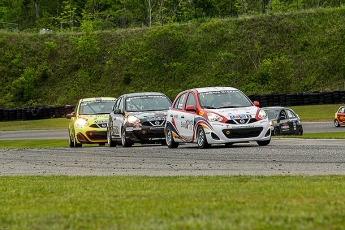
(145, 134)
(223, 133)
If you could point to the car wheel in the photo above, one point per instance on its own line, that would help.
(336, 123)
(76, 144)
(125, 142)
(70, 141)
(276, 131)
(201, 138)
(111, 143)
(300, 131)
(263, 143)
(169, 139)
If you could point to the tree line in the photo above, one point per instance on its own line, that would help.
(68, 15)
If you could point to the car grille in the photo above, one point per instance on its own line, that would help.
(154, 123)
(98, 126)
(241, 121)
(242, 133)
(92, 135)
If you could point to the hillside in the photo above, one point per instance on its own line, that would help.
(273, 53)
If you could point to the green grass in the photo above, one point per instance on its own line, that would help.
(42, 124)
(310, 113)
(183, 202)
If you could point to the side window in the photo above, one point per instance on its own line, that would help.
(120, 104)
(342, 110)
(291, 114)
(282, 115)
(191, 100)
(179, 102)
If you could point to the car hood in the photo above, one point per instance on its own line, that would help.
(234, 113)
(149, 115)
(100, 120)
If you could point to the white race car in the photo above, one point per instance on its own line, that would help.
(215, 115)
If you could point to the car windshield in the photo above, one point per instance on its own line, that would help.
(272, 114)
(96, 107)
(147, 103)
(223, 99)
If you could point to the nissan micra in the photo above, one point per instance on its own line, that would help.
(215, 115)
(88, 121)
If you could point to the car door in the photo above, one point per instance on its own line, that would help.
(177, 115)
(117, 117)
(293, 119)
(341, 115)
(187, 118)
(284, 122)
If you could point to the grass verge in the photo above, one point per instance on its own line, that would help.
(43, 124)
(184, 202)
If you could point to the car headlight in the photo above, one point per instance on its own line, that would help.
(262, 114)
(132, 119)
(273, 122)
(81, 122)
(214, 117)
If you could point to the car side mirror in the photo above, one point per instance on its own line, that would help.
(69, 116)
(256, 103)
(117, 111)
(190, 108)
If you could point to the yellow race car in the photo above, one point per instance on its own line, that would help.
(88, 122)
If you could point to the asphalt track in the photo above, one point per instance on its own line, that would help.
(283, 156)
(309, 127)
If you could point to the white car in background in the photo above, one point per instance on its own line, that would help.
(215, 115)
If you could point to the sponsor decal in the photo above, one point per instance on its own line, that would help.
(129, 129)
(239, 116)
(187, 124)
(201, 113)
(137, 126)
(243, 126)
(157, 127)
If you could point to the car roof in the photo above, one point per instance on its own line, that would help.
(274, 107)
(143, 94)
(210, 89)
(90, 99)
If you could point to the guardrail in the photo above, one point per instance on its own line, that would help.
(277, 99)
(35, 113)
(296, 99)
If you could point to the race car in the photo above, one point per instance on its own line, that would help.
(283, 121)
(215, 115)
(339, 117)
(88, 121)
(138, 118)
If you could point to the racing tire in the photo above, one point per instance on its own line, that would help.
(336, 123)
(300, 132)
(124, 141)
(70, 141)
(201, 138)
(169, 139)
(76, 144)
(263, 143)
(111, 143)
(276, 131)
